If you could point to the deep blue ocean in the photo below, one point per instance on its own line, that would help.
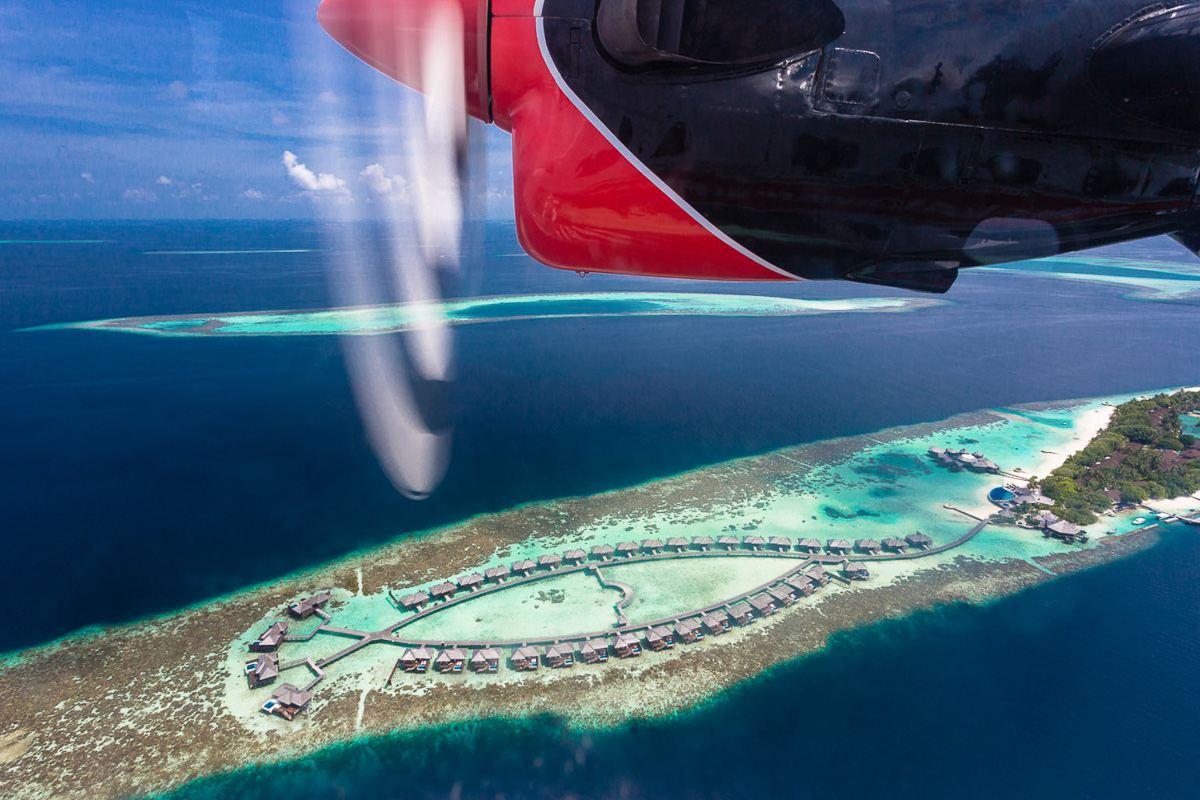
(141, 475)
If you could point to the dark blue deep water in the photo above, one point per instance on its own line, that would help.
(141, 474)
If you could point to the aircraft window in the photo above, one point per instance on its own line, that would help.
(644, 32)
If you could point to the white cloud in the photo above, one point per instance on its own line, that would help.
(177, 90)
(279, 119)
(140, 195)
(304, 177)
(328, 98)
(163, 180)
(379, 183)
(253, 194)
(87, 176)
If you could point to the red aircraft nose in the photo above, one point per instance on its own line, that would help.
(392, 35)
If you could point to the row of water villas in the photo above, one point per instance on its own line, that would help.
(652, 547)
(627, 644)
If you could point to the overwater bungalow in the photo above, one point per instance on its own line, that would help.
(1065, 532)
(703, 542)
(660, 638)
(523, 567)
(451, 659)
(855, 570)
(594, 651)
(411, 602)
(560, 655)
(652, 546)
(716, 622)
(602, 551)
(689, 630)
(470, 582)
(742, 613)
(627, 646)
(839, 547)
(677, 544)
(263, 670)
(729, 542)
(818, 575)
(486, 659)
(782, 595)
(921, 540)
(308, 606)
(416, 659)
(270, 640)
(627, 549)
(803, 584)
(287, 701)
(895, 545)
(550, 561)
(763, 605)
(497, 574)
(755, 542)
(443, 591)
(780, 543)
(526, 659)
(866, 546)
(574, 557)
(808, 546)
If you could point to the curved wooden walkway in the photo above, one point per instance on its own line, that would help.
(807, 560)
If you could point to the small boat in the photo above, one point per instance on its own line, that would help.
(1111, 531)
(1140, 521)
(1162, 515)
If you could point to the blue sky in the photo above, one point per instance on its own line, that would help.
(161, 109)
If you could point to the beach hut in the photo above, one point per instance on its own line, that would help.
(560, 655)
(551, 561)
(594, 651)
(818, 575)
(1064, 531)
(742, 613)
(443, 591)
(677, 543)
(689, 630)
(729, 542)
(716, 622)
(627, 549)
(308, 606)
(652, 546)
(523, 567)
(450, 660)
(855, 570)
(263, 670)
(780, 543)
(802, 584)
(627, 646)
(602, 551)
(412, 602)
(270, 639)
(811, 546)
(416, 659)
(782, 595)
(526, 659)
(755, 542)
(287, 701)
(869, 546)
(763, 605)
(703, 542)
(470, 582)
(920, 540)
(497, 574)
(839, 547)
(660, 638)
(895, 545)
(486, 659)
(574, 557)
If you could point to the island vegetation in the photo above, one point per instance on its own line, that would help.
(1142, 454)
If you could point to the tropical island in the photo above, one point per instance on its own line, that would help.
(1143, 454)
(189, 695)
